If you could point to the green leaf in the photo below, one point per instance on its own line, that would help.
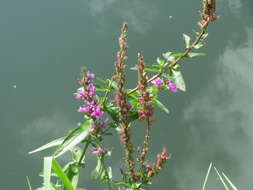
(74, 138)
(152, 70)
(160, 61)
(62, 176)
(195, 54)
(207, 175)
(187, 40)
(47, 172)
(112, 112)
(135, 68)
(160, 105)
(121, 184)
(56, 142)
(97, 172)
(100, 87)
(221, 179)
(167, 55)
(104, 177)
(72, 172)
(76, 153)
(179, 80)
(101, 80)
(230, 182)
(28, 182)
(199, 45)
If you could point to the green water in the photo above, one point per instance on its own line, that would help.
(43, 44)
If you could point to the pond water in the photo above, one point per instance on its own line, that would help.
(43, 44)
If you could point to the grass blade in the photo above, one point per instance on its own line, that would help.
(47, 172)
(223, 182)
(51, 144)
(28, 182)
(230, 183)
(207, 175)
(62, 176)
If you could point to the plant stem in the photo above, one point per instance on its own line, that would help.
(107, 92)
(172, 64)
(83, 153)
(145, 144)
(106, 174)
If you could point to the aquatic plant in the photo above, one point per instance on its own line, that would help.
(108, 108)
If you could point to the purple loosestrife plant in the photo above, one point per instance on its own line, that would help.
(105, 114)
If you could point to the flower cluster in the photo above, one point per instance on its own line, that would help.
(161, 159)
(99, 151)
(86, 93)
(170, 84)
(208, 13)
(157, 82)
(146, 110)
(121, 98)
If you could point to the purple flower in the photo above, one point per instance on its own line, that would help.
(84, 110)
(172, 86)
(80, 94)
(104, 124)
(99, 151)
(92, 90)
(157, 82)
(97, 112)
(90, 75)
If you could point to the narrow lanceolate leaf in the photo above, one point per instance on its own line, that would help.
(28, 182)
(187, 40)
(74, 138)
(47, 172)
(207, 175)
(160, 105)
(221, 179)
(62, 176)
(229, 181)
(179, 80)
(199, 45)
(56, 142)
(195, 54)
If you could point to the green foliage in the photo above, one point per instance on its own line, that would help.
(125, 107)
